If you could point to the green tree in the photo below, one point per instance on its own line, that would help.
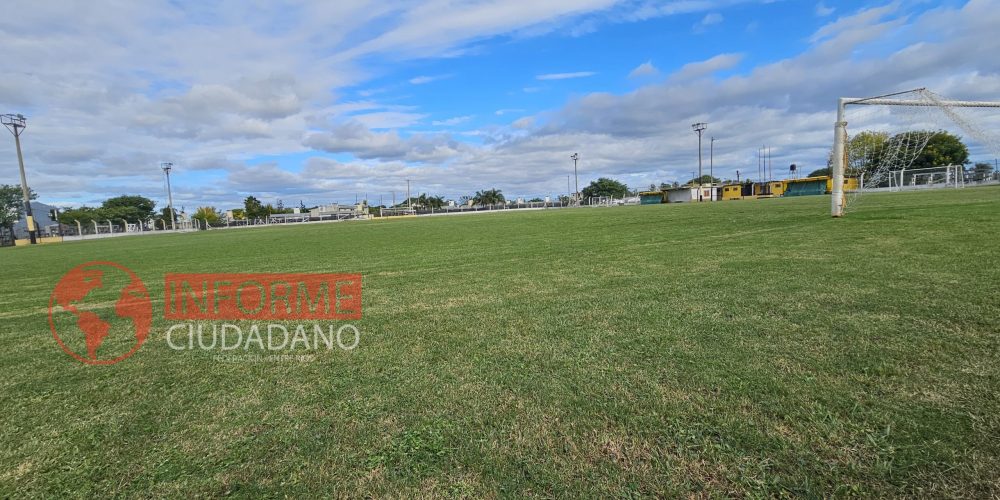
(252, 208)
(12, 204)
(209, 215)
(129, 207)
(165, 214)
(488, 197)
(942, 149)
(982, 170)
(605, 187)
(705, 179)
(821, 172)
(84, 215)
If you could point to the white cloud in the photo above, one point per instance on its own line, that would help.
(710, 19)
(699, 69)
(822, 10)
(421, 80)
(565, 76)
(451, 122)
(643, 70)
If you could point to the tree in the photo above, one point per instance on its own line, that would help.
(165, 214)
(84, 215)
(867, 150)
(488, 197)
(820, 172)
(942, 149)
(435, 202)
(982, 170)
(605, 187)
(705, 179)
(253, 208)
(208, 215)
(129, 207)
(239, 214)
(12, 204)
(652, 187)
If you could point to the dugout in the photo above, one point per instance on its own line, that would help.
(651, 198)
(807, 186)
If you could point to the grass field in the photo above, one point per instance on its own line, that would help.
(739, 348)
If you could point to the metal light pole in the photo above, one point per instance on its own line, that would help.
(166, 166)
(16, 124)
(699, 128)
(408, 202)
(576, 157)
(711, 166)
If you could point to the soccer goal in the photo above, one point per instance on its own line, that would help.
(887, 145)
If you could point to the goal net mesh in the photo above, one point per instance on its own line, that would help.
(887, 141)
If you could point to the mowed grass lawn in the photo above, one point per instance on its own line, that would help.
(739, 348)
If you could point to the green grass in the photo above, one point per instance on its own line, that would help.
(750, 348)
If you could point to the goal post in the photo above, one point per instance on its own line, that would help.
(921, 98)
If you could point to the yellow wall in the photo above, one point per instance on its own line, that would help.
(850, 184)
(731, 192)
(42, 241)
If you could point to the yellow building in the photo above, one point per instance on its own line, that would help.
(732, 192)
(768, 189)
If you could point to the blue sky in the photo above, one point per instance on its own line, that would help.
(323, 102)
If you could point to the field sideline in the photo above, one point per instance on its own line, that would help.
(735, 348)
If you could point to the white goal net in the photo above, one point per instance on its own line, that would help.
(908, 140)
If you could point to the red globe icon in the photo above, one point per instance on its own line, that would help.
(72, 295)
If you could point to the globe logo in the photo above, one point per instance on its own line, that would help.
(100, 313)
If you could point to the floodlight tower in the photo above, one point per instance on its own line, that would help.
(166, 166)
(576, 157)
(711, 166)
(699, 128)
(16, 124)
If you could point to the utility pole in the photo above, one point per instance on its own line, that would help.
(16, 124)
(576, 175)
(166, 166)
(699, 128)
(770, 172)
(711, 159)
(711, 166)
(409, 204)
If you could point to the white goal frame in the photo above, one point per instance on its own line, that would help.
(837, 200)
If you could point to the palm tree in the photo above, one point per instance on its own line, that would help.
(488, 197)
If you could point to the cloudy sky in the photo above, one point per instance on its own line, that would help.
(325, 101)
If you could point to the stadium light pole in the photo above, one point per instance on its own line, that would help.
(699, 128)
(166, 166)
(16, 124)
(576, 157)
(711, 166)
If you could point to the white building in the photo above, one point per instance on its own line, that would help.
(689, 193)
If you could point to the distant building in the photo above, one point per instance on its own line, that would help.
(690, 193)
(43, 223)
